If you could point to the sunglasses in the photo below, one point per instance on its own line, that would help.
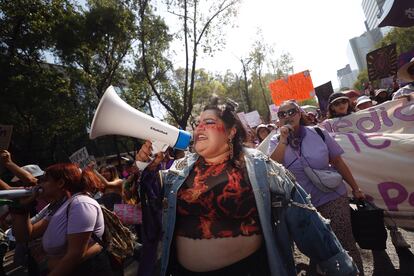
(287, 113)
(339, 102)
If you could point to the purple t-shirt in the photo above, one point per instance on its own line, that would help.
(317, 153)
(85, 215)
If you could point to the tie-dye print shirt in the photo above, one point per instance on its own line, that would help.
(216, 201)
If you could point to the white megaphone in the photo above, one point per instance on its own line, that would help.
(114, 116)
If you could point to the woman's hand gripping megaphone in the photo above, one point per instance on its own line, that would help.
(148, 152)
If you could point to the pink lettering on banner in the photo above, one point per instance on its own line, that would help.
(341, 123)
(351, 139)
(385, 119)
(364, 138)
(373, 118)
(327, 126)
(399, 112)
(392, 202)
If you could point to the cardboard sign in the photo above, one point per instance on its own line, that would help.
(382, 63)
(242, 117)
(323, 92)
(253, 118)
(5, 136)
(81, 157)
(297, 86)
(273, 112)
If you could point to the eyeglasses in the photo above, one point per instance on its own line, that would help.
(287, 113)
(339, 102)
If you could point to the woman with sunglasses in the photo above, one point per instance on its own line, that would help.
(299, 146)
(339, 105)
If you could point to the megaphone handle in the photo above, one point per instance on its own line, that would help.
(156, 148)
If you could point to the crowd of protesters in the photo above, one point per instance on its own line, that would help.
(207, 211)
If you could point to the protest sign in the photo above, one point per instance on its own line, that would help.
(242, 117)
(81, 157)
(273, 112)
(382, 63)
(253, 118)
(5, 136)
(379, 149)
(323, 92)
(297, 86)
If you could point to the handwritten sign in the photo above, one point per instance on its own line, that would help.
(81, 157)
(242, 117)
(5, 136)
(253, 118)
(273, 112)
(297, 86)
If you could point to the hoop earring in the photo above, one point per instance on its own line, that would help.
(231, 149)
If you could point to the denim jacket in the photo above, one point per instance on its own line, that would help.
(288, 217)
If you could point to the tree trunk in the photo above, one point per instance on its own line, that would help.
(246, 87)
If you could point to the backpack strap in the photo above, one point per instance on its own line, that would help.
(320, 133)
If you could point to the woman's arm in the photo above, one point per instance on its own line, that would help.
(4, 185)
(75, 254)
(344, 170)
(115, 183)
(23, 175)
(24, 230)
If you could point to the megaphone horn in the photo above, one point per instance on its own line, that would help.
(115, 117)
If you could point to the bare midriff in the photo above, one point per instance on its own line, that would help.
(201, 255)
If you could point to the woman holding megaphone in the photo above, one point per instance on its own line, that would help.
(217, 215)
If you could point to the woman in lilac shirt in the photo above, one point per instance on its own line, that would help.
(299, 145)
(72, 225)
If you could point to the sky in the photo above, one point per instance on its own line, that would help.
(315, 33)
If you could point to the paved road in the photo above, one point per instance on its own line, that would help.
(375, 263)
(12, 270)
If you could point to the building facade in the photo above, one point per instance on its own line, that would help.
(346, 76)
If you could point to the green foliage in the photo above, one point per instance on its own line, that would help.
(200, 31)
(51, 105)
(404, 38)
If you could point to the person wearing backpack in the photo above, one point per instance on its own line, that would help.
(311, 154)
(217, 210)
(73, 224)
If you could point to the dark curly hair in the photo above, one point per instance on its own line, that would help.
(227, 113)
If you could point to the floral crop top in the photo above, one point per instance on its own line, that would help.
(216, 201)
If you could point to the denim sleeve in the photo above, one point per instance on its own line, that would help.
(313, 235)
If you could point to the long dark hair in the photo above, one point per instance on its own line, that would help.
(227, 113)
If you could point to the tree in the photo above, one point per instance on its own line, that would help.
(403, 37)
(200, 31)
(95, 42)
(56, 60)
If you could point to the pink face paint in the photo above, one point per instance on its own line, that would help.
(210, 125)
